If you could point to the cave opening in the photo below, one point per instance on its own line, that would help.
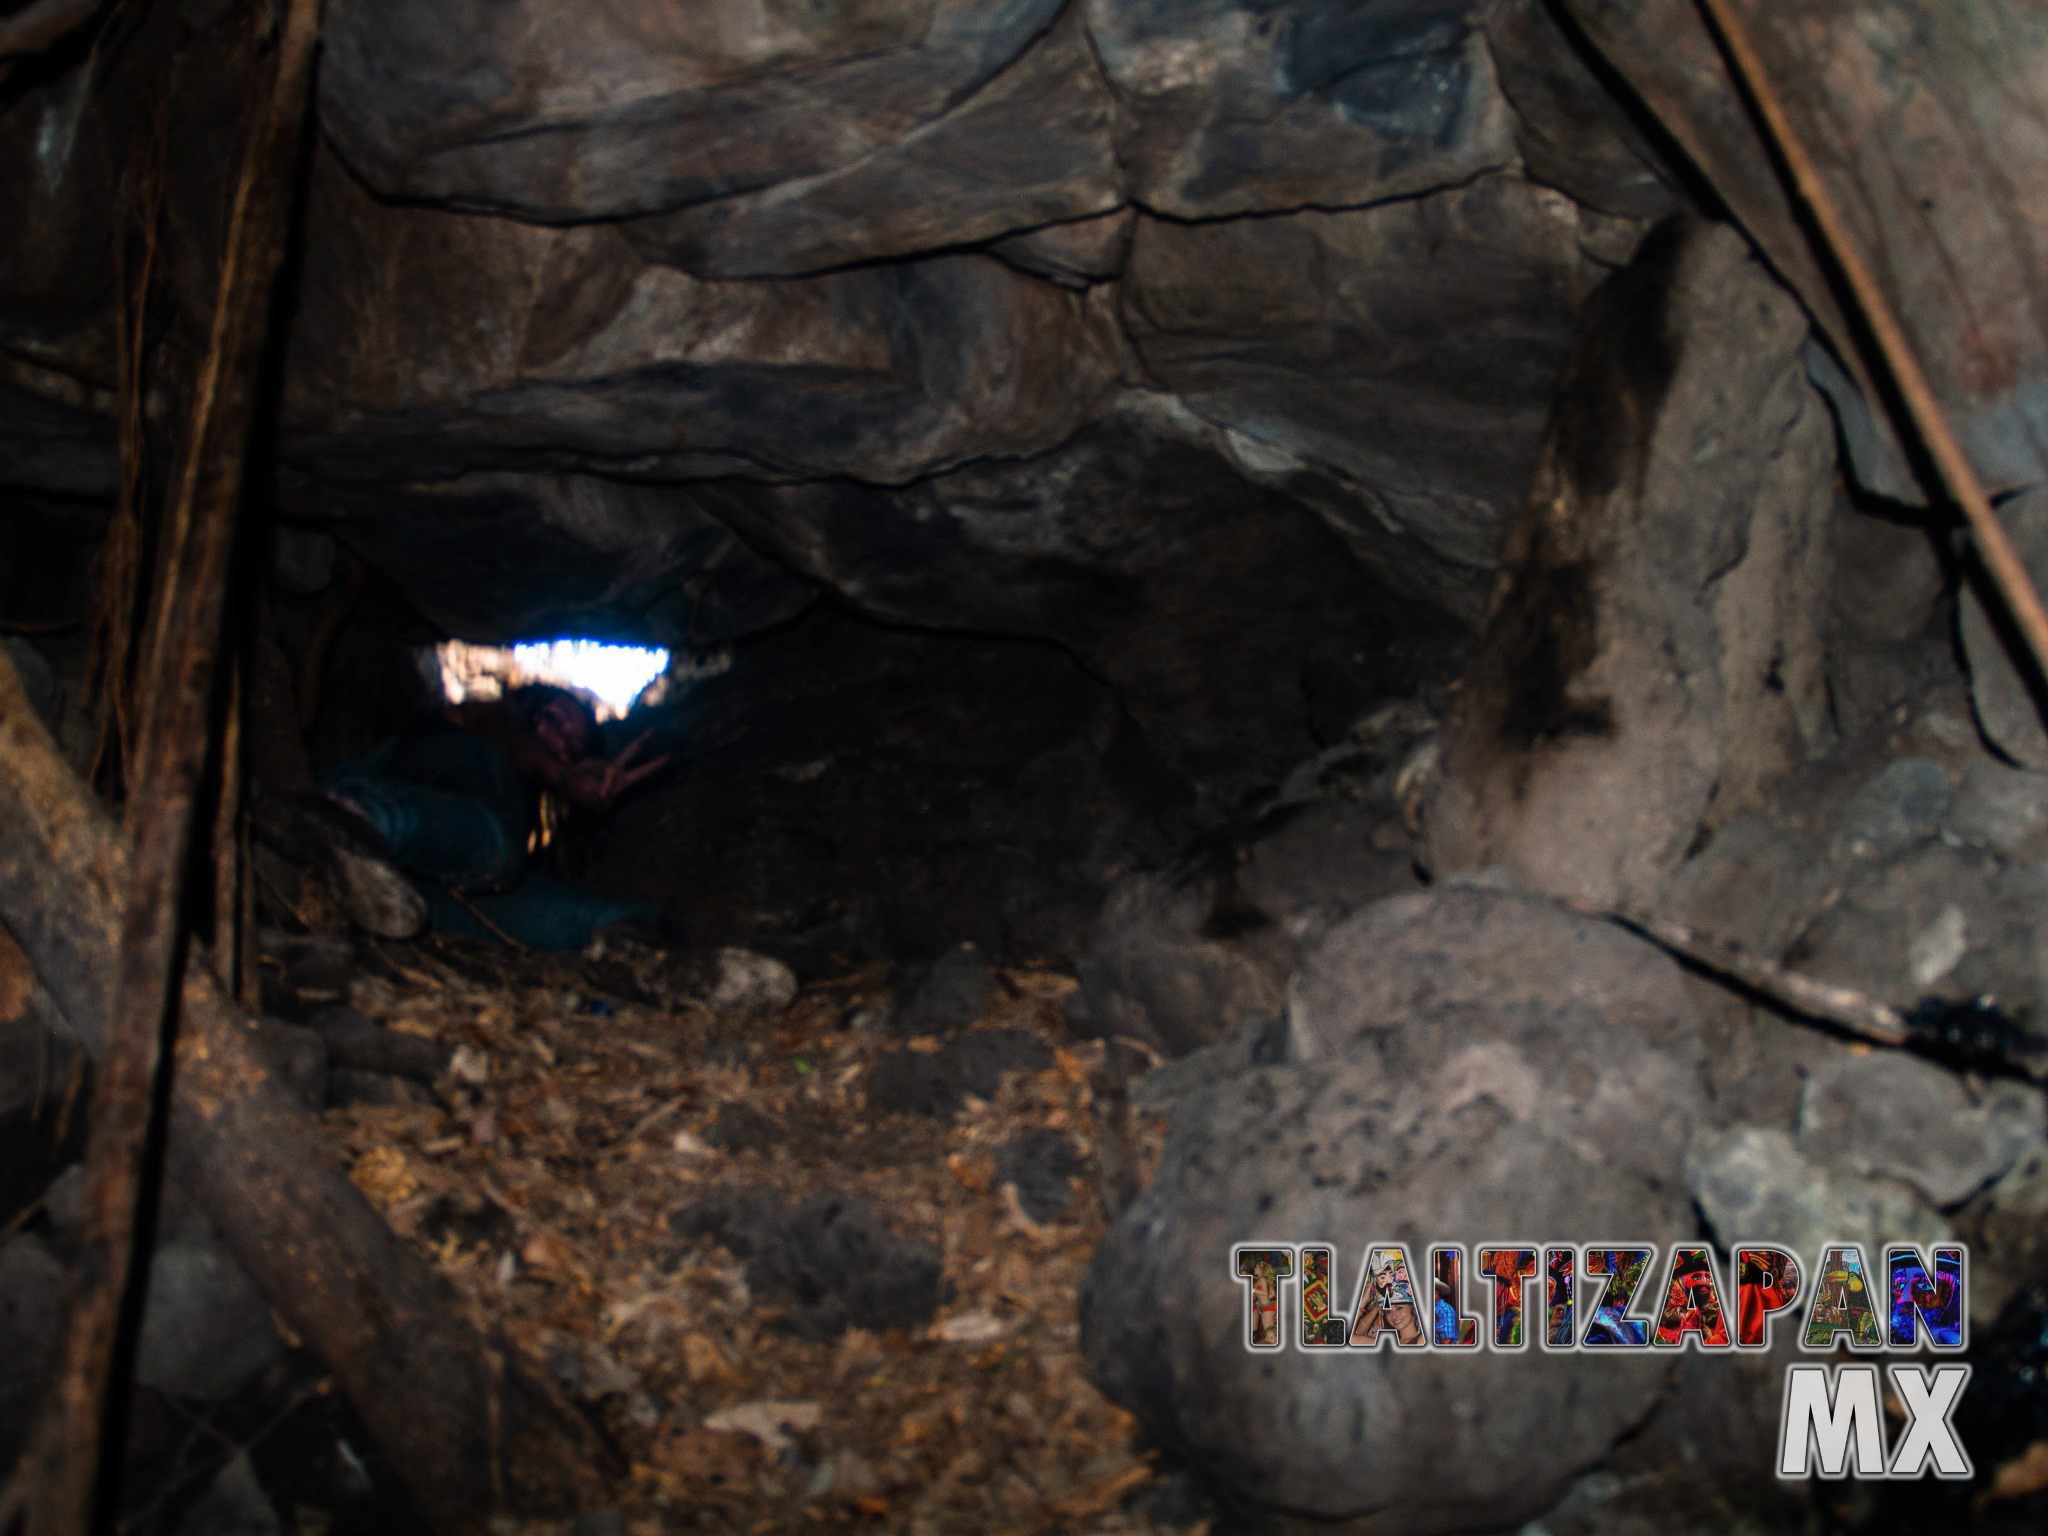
(823, 702)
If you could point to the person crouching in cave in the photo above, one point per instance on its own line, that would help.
(455, 804)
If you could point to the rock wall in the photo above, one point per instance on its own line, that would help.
(1035, 282)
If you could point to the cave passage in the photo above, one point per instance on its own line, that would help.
(799, 706)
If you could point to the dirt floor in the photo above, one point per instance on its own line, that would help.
(561, 1175)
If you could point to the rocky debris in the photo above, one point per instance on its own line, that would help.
(206, 1330)
(302, 974)
(1886, 1114)
(829, 1261)
(937, 1083)
(1460, 1062)
(587, 1138)
(33, 1284)
(950, 997)
(352, 1085)
(1183, 955)
(1654, 654)
(1042, 1163)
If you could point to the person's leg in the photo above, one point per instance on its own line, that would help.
(448, 806)
(448, 837)
(540, 912)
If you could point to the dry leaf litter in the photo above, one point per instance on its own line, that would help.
(545, 1173)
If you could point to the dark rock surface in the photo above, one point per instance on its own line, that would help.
(936, 1083)
(1935, 1132)
(2005, 682)
(1043, 1163)
(950, 995)
(33, 1283)
(1655, 651)
(206, 1331)
(1907, 114)
(1185, 953)
(865, 793)
(1459, 1062)
(829, 1261)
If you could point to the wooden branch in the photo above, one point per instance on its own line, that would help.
(180, 668)
(458, 1414)
(1854, 1012)
(1923, 415)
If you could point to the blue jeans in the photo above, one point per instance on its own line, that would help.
(452, 811)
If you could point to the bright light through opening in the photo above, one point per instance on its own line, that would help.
(614, 676)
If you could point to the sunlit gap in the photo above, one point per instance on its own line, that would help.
(613, 677)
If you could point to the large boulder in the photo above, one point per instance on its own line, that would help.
(1655, 652)
(1465, 1065)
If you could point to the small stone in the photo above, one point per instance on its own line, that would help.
(977, 1327)
(1042, 1163)
(770, 1422)
(937, 1083)
(744, 982)
(469, 1065)
(1900, 805)
(740, 1128)
(2001, 807)
(1936, 948)
(1887, 1114)
(1751, 1180)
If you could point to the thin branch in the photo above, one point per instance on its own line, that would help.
(180, 668)
(1923, 415)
